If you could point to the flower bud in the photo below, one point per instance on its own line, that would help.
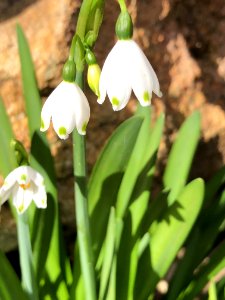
(93, 73)
(93, 76)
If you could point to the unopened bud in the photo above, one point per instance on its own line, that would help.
(93, 76)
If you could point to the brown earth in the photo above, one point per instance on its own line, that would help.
(184, 40)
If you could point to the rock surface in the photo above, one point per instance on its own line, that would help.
(184, 40)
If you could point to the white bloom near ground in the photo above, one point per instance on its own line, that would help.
(24, 184)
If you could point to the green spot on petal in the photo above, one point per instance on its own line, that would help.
(146, 96)
(23, 177)
(21, 208)
(84, 126)
(115, 101)
(62, 131)
(42, 124)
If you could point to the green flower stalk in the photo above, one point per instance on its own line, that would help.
(79, 156)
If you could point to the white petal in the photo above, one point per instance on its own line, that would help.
(19, 175)
(4, 195)
(82, 112)
(34, 176)
(141, 63)
(23, 175)
(115, 77)
(8, 185)
(46, 112)
(22, 198)
(63, 115)
(40, 197)
(10, 180)
(142, 87)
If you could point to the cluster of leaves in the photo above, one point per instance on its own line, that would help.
(135, 237)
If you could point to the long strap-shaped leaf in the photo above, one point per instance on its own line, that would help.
(7, 158)
(168, 237)
(201, 240)
(215, 265)
(10, 287)
(137, 193)
(181, 156)
(107, 175)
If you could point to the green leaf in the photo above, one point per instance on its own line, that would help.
(109, 251)
(135, 189)
(107, 175)
(214, 185)
(136, 165)
(181, 156)
(200, 242)
(208, 272)
(48, 246)
(169, 236)
(7, 157)
(212, 291)
(10, 287)
(30, 89)
(142, 188)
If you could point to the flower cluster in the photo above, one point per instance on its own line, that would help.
(126, 68)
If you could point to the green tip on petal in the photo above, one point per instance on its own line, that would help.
(84, 127)
(146, 96)
(62, 131)
(115, 101)
(42, 124)
(21, 208)
(23, 177)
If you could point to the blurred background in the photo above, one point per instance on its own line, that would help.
(184, 41)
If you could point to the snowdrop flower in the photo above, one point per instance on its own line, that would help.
(126, 68)
(24, 184)
(68, 107)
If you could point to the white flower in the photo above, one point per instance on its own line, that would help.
(24, 184)
(126, 68)
(68, 107)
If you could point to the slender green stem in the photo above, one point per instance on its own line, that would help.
(122, 4)
(83, 18)
(82, 218)
(26, 257)
(79, 159)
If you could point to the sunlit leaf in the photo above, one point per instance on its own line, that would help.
(181, 156)
(107, 175)
(169, 236)
(10, 286)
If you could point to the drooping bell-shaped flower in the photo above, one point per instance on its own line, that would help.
(126, 68)
(24, 184)
(67, 106)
